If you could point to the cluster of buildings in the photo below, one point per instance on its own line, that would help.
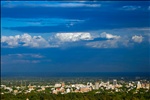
(76, 88)
(81, 88)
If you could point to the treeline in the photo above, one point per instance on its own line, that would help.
(78, 96)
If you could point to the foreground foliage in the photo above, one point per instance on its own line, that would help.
(78, 96)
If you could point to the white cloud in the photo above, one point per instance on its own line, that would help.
(23, 58)
(10, 40)
(112, 42)
(51, 4)
(24, 55)
(62, 40)
(72, 37)
(36, 56)
(102, 44)
(76, 5)
(24, 40)
(26, 61)
(138, 29)
(137, 39)
(115, 43)
(109, 36)
(130, 8)
(39, 22)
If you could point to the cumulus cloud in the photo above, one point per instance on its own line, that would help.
(109, 36)
(72, 37)
(137, 39)
(115, 43)
(130, 8)
(112, 41)
(24, 40)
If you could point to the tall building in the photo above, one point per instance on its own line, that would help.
(25, 83)
(114, 82)
(138, 85)
(21, 83)
(63, 84)
(107, 83)
(96, 85)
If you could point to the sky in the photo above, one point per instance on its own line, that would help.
(75, 36)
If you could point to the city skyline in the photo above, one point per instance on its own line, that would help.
(77, 36)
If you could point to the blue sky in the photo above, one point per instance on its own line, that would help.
(75, 36)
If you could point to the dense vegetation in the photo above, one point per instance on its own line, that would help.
(79, 96)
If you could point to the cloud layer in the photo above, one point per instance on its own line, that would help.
(24, 58)
(131, 8)
(49, 4)
(103, 40)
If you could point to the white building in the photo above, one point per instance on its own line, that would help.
(138, 85)
(68, 90)
(57, 85)
(96, 85)
(114, 82)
